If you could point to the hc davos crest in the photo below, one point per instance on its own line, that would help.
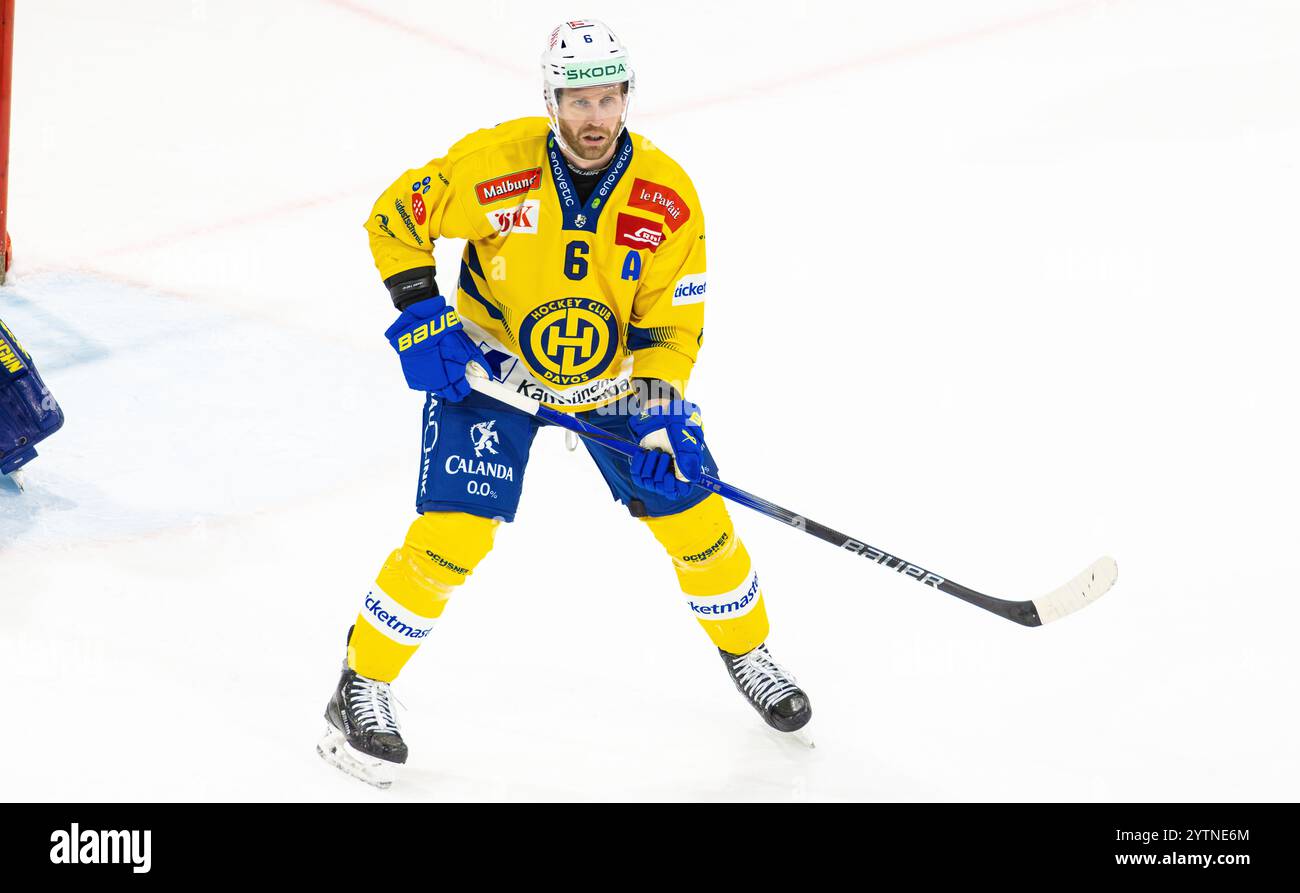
(569, 341)
(485, 437)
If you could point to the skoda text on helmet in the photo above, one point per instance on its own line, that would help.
(584, 53)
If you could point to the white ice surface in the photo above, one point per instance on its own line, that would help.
(1042, 256)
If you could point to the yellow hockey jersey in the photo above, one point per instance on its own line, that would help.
(575, 299)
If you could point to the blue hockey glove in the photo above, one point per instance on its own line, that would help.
(672, 441)
(434, 349)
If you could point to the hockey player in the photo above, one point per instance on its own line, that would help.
(582, 285)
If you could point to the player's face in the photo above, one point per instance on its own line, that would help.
(589, 118)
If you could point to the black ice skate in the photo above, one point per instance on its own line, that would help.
(770, 688)
(362, 738)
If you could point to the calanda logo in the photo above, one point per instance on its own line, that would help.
(481, 467)
(485, 437)
(569, 341)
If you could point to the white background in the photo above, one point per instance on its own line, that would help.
(998, 287)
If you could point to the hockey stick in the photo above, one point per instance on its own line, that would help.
(1082, 590)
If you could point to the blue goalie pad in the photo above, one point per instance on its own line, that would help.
(28, 411)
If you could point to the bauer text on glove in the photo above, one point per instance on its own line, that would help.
(434, 348)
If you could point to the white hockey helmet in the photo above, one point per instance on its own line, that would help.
(584, 53)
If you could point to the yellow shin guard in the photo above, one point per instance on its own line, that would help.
(441, 550)
(715, 574)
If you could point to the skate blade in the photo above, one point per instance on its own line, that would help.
(335, 750)
(800, 736)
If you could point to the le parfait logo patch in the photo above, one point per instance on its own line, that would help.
(649, 196)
